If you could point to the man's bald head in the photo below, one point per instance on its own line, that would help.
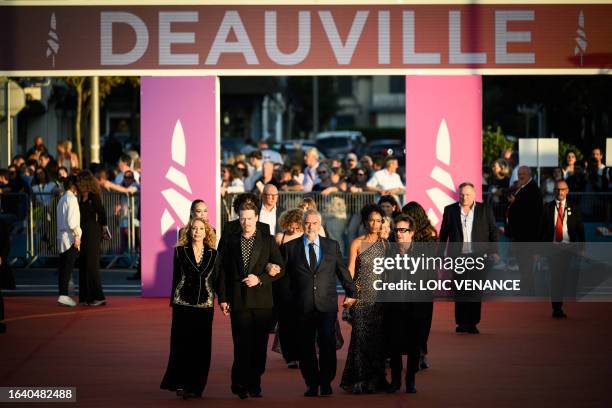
(524, 175)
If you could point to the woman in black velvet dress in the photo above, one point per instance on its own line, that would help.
(94, 227)
(192, 311)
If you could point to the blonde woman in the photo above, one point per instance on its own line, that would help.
(192, 311)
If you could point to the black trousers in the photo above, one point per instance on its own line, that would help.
(563, 277)
(467, 303)
(67, 260)
(190, 349)
(250, 331)
(90, 282)
(288, 328)
(320, 327)
(467, 313)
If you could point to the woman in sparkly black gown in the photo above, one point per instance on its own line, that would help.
(365, 363)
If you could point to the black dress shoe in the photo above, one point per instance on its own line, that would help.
(393, 386)
(559, 314)
(410, 384)
(460, 329)
(473, 330)
(240, 391)
(255, 392)
(190, 395)
(312, 391)
(326, 390)
(293, 364)
(423, 363)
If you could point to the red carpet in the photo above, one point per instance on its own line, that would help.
(116, 356)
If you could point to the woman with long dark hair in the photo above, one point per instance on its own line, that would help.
(365, 363)
(423, 232)
(192, 311)
(94, 227)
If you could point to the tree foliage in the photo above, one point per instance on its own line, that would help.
(493, 143)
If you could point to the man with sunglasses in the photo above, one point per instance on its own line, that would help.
(469, 228)
(561, 223)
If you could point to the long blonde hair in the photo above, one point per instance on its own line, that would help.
(210, 240)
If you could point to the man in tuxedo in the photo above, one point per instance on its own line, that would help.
(313, 264)
(562, 224)
(522, 221)
(471, 225)
(247, 263)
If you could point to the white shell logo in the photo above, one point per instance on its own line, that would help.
(581, 41)
(177, 201)
(52, 40)
(443, 157)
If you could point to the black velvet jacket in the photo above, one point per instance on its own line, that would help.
(192, 285)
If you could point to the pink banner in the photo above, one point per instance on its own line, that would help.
(178, 133)
(443, 139)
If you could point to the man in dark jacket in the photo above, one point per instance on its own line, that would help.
(522, 222)
(247, 264)
(471, 226)
(561, 223)
(313, 264)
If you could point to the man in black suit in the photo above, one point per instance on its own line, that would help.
(471, 225)
(522, 221)
(562, 224)
(247, 263)
(313, 263)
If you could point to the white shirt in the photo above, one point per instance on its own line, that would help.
(68, 220)
(385, 180)
(467, 222)
(268, 217)
(566, 238)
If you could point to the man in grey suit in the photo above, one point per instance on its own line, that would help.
(312, 265)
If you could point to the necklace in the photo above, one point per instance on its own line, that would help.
(201, 256)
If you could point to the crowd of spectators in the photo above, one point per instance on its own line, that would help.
(308, 173)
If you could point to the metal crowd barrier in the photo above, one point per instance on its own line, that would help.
(34, 220)
(34, 237)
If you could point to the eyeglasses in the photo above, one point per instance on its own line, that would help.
(402, 230)
(360, 174)
(561, 189)
(322, 172)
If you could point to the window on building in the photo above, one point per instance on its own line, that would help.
(345, 86)
(397, 84)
